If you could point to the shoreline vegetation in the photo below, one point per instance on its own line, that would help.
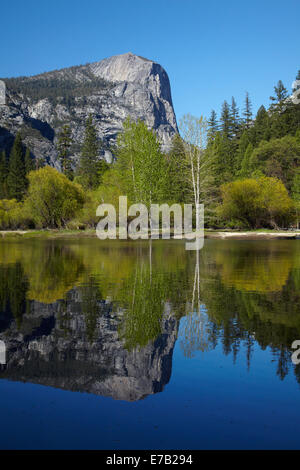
(208, 234)
(244, 170)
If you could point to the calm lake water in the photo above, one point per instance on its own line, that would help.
(132, 345)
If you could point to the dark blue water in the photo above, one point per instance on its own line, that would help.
(218, 375)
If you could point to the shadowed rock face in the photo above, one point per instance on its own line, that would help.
(53, 347)
(110, 90)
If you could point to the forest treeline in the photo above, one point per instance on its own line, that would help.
(244, 168)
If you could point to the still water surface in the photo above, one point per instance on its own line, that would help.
(132, 345)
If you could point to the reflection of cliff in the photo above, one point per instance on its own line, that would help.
(53, 347)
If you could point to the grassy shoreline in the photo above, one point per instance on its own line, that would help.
(260, 234)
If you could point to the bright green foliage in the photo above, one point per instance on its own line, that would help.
(262, 202)
(52, 198)
(11, 214)
(295, 193)
(64, 145)
(143, 296)
(142, 166)
(16, 180)
(91, 168)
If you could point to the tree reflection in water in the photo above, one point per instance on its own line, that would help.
(231, 293)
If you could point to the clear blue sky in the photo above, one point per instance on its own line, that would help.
(211, 50)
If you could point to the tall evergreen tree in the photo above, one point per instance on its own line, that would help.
(63, 145)
(244, 141)
(261, 128)
(247, 114)
(246, 167)
(177, 165)
(235, 118)
(281, 110)
(16, 179)
(213, 125)
(226, 121)
(281, 92)
(3, 175)
(90, 168)
(29, 164)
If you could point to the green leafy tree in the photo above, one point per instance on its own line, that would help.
(141, 164)
(262, 202)
(52, 198)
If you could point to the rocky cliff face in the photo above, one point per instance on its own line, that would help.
(53, 348)
(110, 90)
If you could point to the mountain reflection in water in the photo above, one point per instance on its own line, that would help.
(103, 317)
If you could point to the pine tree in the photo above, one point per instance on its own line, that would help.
(244, 141)
(29, 164)
(281, 92)
(3, 175)
(177, 171)
(246, 167)
(63, 146)
(261, 127)
(281, 110)
(223, 159)
(247, 114)
(226, 121)
(235, 118)
(16, 180)
(90, 169)
(213, 125)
